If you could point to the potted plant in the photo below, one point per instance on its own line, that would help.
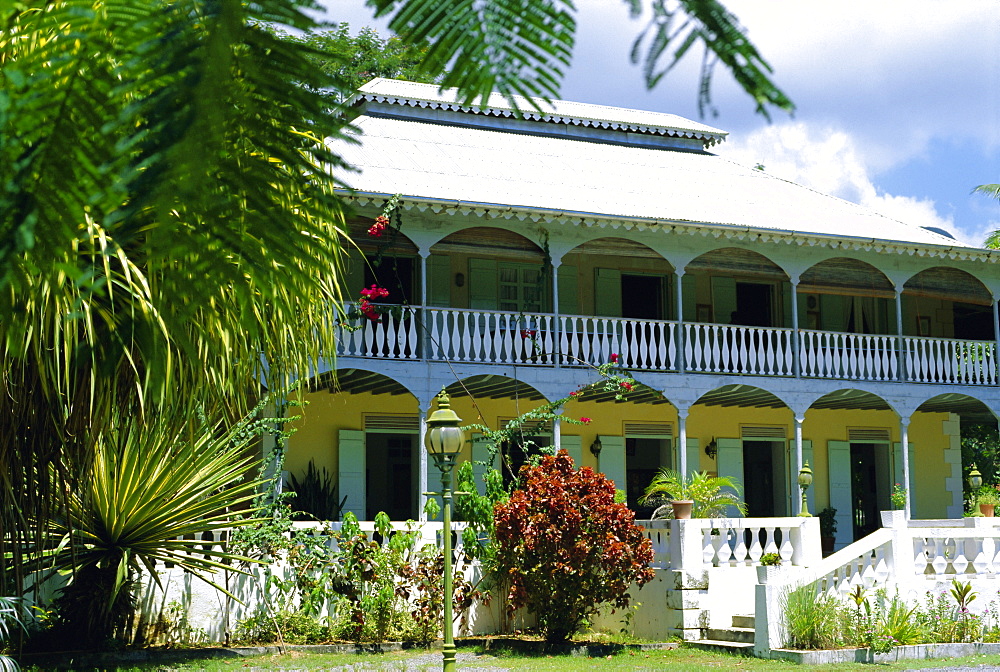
(827, 529)
(697, 496)
(897, 500)
(769, 564)
(988, 498)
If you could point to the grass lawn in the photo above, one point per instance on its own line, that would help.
(686, 659)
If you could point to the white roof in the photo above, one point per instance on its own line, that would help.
(509, 170)
(538, 109)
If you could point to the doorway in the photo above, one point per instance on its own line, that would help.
(644, 457)
(642, 297)
(389, 475)
(764, 478)
(754, 305)
(869, 486)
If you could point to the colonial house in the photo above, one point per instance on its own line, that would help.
(767, 325)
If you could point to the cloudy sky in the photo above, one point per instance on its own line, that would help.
(898, 101)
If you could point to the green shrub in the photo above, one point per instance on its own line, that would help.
(812, 621)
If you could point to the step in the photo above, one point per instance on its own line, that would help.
(735, 648)
(744, 621)
(738, 635)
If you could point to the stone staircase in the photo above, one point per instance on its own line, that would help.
(735, 639)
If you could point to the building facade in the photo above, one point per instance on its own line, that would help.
(766, 325)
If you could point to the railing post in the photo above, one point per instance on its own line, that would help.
(679, 275)
(796, 347)
(903, 374)
(996, 339)
(807, 549)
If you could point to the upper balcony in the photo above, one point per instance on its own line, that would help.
(488, 295)
(546, 339)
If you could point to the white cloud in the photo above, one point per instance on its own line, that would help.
(828, 160)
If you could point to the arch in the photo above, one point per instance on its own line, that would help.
(612, 246)
(742, 396)
(357, 381)
(843, 275)
(492, 242)
(969, 407)
(392, 241)
(737, 261)
(736, 286)
(851, 398)
(493, 387)
(639, 394)
(847, 295)
(948, 302)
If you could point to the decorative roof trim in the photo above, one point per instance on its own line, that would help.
(708, 137)
(716, 230)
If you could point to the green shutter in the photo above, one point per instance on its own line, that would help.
(833, 312)
(354, 276)
(608, 292)
(483, 293)
(723, 300)
(439, 280)
(730, 462)
(481, 453)
(569, 300)
(689, 287)
(839, 464)
(574, 446)
(693, 454)
(786, 305)
(612, 460)
(351, 471)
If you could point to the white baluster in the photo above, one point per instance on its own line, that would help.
(938, 560)
(707, 547)
(787, 550)
(771, 546)
(740, 552)
(724, 550)
(755, 548)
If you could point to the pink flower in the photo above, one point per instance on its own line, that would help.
(614, 357)
(585, 421)
(374, 292)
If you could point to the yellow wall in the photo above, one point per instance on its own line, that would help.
(327, 413)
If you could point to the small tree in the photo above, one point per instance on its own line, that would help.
(567, 546)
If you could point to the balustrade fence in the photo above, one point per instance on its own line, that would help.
(910, 558)
(484, 336)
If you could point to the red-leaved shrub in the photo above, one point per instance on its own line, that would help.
(567, 546)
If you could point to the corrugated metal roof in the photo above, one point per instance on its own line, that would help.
(559, 111)
(478, 166)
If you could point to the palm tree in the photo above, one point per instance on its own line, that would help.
(993, 191)
(169, 230)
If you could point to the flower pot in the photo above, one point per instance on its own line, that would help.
(894, 518)
(827, 543)
(766, 573)
(987, 509)
(682, 508)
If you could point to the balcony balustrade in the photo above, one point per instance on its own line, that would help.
(539, 339)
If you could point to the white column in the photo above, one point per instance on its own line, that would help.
(682, 440)
(557, 432)
(996, 331)
(556, 330)
(899, 330)
(424, 350)
(799, 419)
(904, 423)
(425, 408)
(679, 292)
(796, 340)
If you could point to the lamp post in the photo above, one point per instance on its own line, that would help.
(444, 441)
(805, 480)
(975, 482)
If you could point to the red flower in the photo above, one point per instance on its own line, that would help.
(625, 386)
(575, 393)
(614, 357)
(374, 292)
(585, 421)
(528, 333)
(380, 225)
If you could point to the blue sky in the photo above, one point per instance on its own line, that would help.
(898, 101)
